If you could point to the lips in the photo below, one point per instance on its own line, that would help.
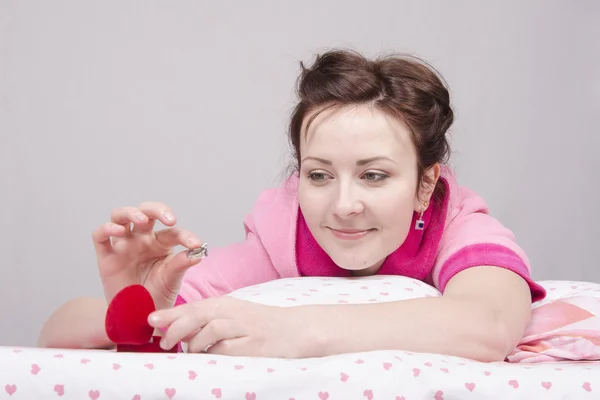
(350, 234)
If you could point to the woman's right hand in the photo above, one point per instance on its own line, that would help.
(130, 251)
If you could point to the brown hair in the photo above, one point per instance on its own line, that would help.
(403, 86)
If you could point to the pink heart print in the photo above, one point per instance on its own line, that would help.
(487, 373)
(343, 377)
(359, 361)
(439, 395)
(416, 372)
(10, 389)
(470, 386)
(216, 392)
(59, 389)
(368, 394)
(85, 361)
(35, 369)
(513, 383)
(270, 370)
(94, 394)
(547, 385)
(587, 387)
(238, 367)
(149, 366)
(400, 398)
(192, 375)
(170, 392)
(387, 366)
(444, 370)
(116, 366)
(323, 395)
(250, 396)
(136, 397)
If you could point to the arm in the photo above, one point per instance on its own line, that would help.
(482, 316)
(78, 323)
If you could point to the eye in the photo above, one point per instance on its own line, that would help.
(375, 176)
(318, 176)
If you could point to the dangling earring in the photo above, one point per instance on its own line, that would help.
(420, 224)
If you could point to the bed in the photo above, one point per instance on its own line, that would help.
(34, 373)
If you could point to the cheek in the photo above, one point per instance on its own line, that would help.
(310, 203)
(395, 212)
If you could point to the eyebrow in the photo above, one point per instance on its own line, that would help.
(359, 162)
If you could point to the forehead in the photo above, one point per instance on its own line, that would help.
(361, 128)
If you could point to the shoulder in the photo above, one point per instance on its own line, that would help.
(273, 221)
(277, 202)
(461, 201)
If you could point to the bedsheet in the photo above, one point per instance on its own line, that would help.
(33, 373)
(30, 373)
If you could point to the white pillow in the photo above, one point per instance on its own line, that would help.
(291, 292)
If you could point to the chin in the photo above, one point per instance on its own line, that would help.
(354, 264)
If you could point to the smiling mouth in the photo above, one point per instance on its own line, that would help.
(350, 234)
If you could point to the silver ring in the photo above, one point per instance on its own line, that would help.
(200, 252)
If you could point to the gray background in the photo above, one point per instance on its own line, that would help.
(105, 104)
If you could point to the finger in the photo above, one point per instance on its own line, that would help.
(185, 326)
(204, 310)
(215, 331)
(102, 235)
(175, 268)
(154, 211)
(175, 236)
(164, 318)
(126, 216)
(239, 346)
(158, 211)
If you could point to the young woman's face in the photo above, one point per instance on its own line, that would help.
(358, 185)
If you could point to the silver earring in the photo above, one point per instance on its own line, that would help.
(420, 224)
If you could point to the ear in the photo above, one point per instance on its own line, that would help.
(427, 186)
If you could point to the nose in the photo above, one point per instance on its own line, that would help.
(347, 202)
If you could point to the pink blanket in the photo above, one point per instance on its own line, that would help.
(563, 327)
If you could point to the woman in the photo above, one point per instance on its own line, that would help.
(371, 195)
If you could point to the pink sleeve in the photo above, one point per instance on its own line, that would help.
(474, 238)
(228, 268)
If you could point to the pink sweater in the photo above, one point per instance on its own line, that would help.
(458, 234)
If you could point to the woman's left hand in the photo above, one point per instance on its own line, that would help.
(233, 327)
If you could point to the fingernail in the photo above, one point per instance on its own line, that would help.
(154, 318)
(169, 217)
(140, 217)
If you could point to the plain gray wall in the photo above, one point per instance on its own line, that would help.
(110, 103)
